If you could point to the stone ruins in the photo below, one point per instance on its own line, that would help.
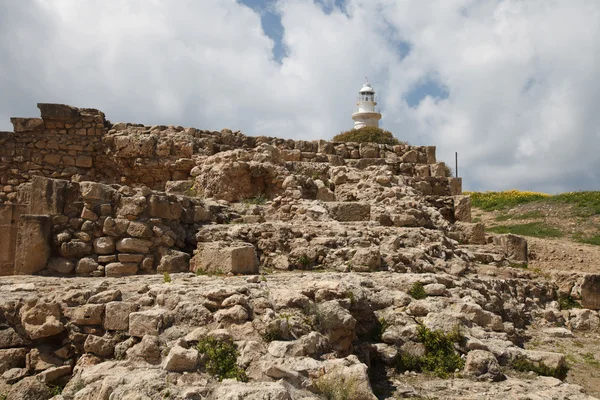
(123, 245)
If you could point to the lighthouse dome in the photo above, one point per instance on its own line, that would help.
(367, 88)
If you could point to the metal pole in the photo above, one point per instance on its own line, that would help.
(456, 163)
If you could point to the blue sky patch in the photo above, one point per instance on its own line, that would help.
(271, 24)
(428, 87)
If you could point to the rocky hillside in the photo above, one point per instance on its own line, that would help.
(183, 264)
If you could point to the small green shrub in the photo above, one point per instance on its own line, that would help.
(568, 303)
(440, 356)
(304, 261)
(535, 229)
(3, 396)
(258, 200)
(417, 291)
(56, 390)
(166, 277)
(368, 134)
(590, 359)
(524, 365)
(220, 359)
(379, 328)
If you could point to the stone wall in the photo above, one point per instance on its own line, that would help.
(80, 144)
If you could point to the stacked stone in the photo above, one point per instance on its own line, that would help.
(63, 143)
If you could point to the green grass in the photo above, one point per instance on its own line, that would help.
(417, 291)
(258, 200)
(368, 134)
(491, 201)
(528, 215)
(586, 203)
(220, 358)
(523, 365)
(590, 359)
(593, 240)
(535, 229)
(567, 303)
(440, 356)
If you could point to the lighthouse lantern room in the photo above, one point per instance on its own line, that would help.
(365, 114)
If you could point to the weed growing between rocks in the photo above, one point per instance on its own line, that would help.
(523, 365)
(166, 277)
(220, 359)
(378, 329)
(440, 358)
(417, 291)
(368, 134)
(535, 229)
(568, 303)
(340, 387)
(261, 199)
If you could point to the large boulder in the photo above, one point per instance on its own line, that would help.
(181, 359)
(338, 324)
(29, 388)
(225, 257)
(33, 244)
(483, 365)
(590, 292)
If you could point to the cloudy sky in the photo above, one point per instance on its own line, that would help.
(512, 85)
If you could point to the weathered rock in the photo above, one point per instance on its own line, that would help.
(10, 338)
(148, 322)
(52, 374)
(117, 315)
(338, 324)
(181, 359)
(224, 257)
(12, 358)
(88, 314)
(590, 292)
(483, 365)
(99, 346)
(131, 245)
(41, 320)
(33, 244)
(61, 266)
(121, 269)
(514, 247)
(365, 260)
(29, 388)
(105, 296)
(349, 211)
(104, 245)
(86, 266)
(173, 261)
(148, 349)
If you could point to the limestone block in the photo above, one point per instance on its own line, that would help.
(181, 359)
(117, 315)
(455, 186)
(99, 346)
(75, 249)
(30, 388)
(129, 146)
(179, 187)
(115, 226)
(139, 230)
(12, 358)
(84, 162)
(47, 196)
(365, 260)
(88, 314)
(462, 208)
(323, 191)
(131, 245)
(514, 247)
(132, 206)
(104, 245)
(61, 266)
(160, 207)
(27, 124)
(173, 261)
(225, 257)
(93, 191)
(430, 152)
(590, 292)
(10, 338)
(369, 150)
(41, 320)
(52, 374)
(148, 322)
(33, 244)
(148, 349)
(349, 211)
(470, 233)
(60, 112)
(130, 258)
(120, 269)
(201, 214)
(483, 365)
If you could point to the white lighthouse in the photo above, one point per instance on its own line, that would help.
(365, 113)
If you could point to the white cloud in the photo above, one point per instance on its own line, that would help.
(520, 76)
